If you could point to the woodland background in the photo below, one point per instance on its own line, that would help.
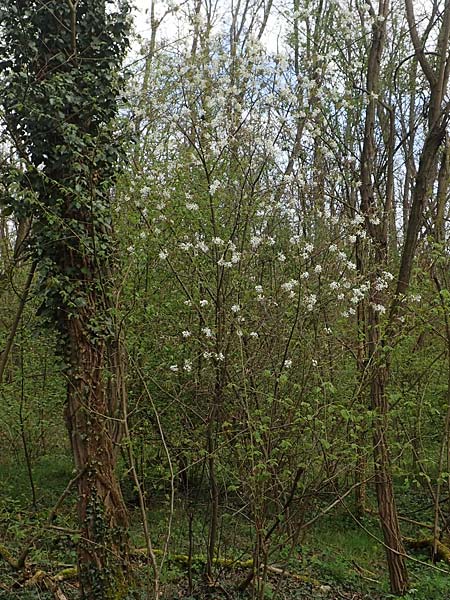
(225, 302)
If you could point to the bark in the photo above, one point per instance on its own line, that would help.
(94, 415)
(426, 175)
(102, 552)
(213, 483)
(442, 193)
(437, 124)
(387, 511)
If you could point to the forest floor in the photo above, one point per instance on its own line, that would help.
(339, 559)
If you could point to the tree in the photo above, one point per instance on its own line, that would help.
(60, 65)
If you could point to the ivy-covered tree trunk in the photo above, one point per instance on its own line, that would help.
(59, 68)
(101, 508)
(91, 419)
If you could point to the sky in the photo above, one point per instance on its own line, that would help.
(170, 26)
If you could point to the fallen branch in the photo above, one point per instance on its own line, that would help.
(442, 551)
(184, 559)
(51, 582)
(8, 557)
(228, 562)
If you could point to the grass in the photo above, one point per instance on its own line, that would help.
(50, 475)
(337, 551)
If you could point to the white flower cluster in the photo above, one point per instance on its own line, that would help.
(215, 185)
(307, 251)
(379, 308)
(289, 285)
(220, 357)
(233, 259)
(310, 301)
(187, 366)
(359, 293)
(382, 282)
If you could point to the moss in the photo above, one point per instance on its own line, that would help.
(8, 557)
(64, 574)
(228, 562)
(442, 551)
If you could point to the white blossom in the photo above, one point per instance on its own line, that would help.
(379, 308)
(289, 285)
(255, 241)
(380, 284)
(224, 263)
(358, 220)
(202, 246)
(311, 301)
(186, 246)
(215, 185)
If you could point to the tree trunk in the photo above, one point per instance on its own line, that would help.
(387, 509)
(378, 233)
(102, 551)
